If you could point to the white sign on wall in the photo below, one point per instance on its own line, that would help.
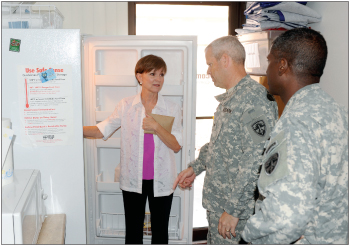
(46, 105)
(252, 55)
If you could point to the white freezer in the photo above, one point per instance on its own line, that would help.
(108, 76)
(61, 167)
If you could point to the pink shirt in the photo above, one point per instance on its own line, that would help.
(148, 157)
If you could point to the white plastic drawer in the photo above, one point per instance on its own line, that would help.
(106, 184)
(113, 225)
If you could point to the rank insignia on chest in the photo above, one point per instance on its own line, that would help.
(227, 110)
(271, 163)
(259, 127)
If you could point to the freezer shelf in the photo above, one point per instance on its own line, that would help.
(103, 185)
(116, 80)
(113, 225)
(110, 143)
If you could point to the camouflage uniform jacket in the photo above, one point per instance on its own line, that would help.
(304, 175)
(242, 123)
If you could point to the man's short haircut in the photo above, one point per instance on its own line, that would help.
(304, 49)
(229, 45)
(148, 63)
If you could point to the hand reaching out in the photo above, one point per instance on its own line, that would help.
(185, 178)
(188, 181)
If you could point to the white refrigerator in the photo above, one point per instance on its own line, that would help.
(92, 75)
(37, 112)
(109, 64)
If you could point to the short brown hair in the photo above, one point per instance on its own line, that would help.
(148, 63)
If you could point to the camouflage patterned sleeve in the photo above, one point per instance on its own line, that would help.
(288, 183)
(241, 202)
(256, 125)
(199, 165)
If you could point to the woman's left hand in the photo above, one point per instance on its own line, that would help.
(149, 124)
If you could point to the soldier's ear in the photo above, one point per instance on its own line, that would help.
(225, 60)
(283, 66)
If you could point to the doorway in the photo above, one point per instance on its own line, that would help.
(208, 21)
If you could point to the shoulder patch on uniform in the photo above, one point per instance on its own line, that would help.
(271, 163)
(275, 163)
(257, 124)
(259, 127)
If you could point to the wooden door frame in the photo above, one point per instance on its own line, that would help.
(236, 13)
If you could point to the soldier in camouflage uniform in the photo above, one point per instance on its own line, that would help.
(242, 123)
(303, 183)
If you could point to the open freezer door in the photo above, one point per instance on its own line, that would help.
(108, 77)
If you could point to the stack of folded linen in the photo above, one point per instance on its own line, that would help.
(277, 16)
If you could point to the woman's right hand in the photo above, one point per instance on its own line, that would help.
(92, 132)
(185, 178)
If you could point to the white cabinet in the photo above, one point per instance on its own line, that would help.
(257, 46)
(23, 209)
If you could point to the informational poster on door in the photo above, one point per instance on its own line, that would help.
(46, 105)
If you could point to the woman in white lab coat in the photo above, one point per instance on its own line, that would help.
(148, 167)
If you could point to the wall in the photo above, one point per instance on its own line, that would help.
(95, 18)
(335, 29)
(111, 18)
